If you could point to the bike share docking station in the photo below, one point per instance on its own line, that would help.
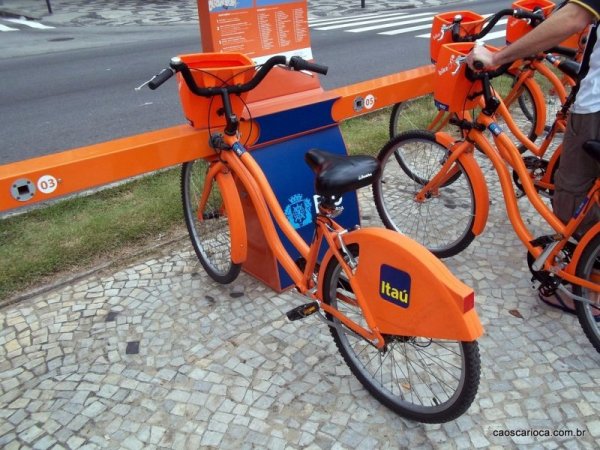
(286, 119)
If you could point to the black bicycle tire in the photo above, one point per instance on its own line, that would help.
(231, 270)
(465, 233)
(589, 257)
(445, 411)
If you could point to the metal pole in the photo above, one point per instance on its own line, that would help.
(50, 6)
(362, 3)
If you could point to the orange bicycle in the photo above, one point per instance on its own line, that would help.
(534, 95)
(532, 89)
(405, 326)
(444, 202)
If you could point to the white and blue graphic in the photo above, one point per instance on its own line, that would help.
(226, 5)
(299, 211)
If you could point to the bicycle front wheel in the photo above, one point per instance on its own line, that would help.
(208, 228)
(588, 268)
(423, 379)
(443, 222)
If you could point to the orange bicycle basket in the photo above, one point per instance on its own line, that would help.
(213, 70)
(441, 31)
(516, 28)
(452, 91)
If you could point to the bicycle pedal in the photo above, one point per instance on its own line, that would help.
(302, 311)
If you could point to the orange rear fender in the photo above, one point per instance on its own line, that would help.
(235, 213)
(481, 194)
(408, 290)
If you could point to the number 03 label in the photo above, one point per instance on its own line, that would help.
(47, 184)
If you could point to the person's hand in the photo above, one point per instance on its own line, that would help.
(482, 54)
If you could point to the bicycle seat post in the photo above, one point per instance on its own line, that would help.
(330, 207)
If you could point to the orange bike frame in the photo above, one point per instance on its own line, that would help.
(505, 152)
(524, 75)
(247, 170)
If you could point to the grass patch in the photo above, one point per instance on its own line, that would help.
(77, 232)
(366, 134)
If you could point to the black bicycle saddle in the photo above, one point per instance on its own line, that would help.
(338, 174)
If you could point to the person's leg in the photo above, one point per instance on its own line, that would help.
(577, 171)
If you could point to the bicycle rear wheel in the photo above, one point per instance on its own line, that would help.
(443, 223)
(422, 379)
(588, 268)
(208, 229)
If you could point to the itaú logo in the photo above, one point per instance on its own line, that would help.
(394, 286)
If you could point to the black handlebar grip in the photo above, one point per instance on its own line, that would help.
(564, 51)
(298, 63)
(159, 79)
(537, 16)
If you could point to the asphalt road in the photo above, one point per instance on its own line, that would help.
(75, 86)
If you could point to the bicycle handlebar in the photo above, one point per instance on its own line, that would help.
(177, 65)
(489, 74)
(563, 51)
(536, 17)
(159, 79)
(491, 102)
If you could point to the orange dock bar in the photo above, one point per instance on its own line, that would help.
(40, 179)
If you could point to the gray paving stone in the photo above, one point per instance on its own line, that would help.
(228, 371)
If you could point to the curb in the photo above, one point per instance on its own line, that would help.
(17, 15)
(99, 270)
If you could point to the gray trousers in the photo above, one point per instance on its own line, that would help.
(577, 171)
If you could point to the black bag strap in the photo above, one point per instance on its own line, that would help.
(585, 67)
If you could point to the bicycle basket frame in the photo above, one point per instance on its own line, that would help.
(516, 28)
(471, 23)
(453, 91)
(213, 70)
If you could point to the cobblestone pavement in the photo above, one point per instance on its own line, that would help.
(156, 355)
(156, 12)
